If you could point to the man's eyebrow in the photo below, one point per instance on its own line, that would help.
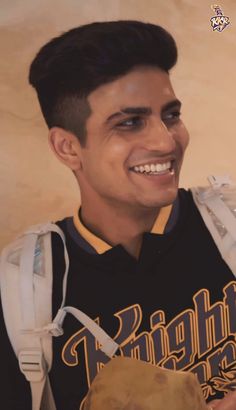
(143, 110)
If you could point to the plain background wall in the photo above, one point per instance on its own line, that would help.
(35, 187)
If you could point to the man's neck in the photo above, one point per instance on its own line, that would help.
(119, 226)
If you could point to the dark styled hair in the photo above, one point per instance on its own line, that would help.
(69, 67)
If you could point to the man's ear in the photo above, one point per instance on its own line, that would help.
(66, 147)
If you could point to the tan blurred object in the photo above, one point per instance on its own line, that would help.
(129, 384)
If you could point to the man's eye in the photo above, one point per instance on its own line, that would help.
(172, 116)
(134, 122)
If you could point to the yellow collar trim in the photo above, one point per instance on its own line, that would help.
(162, 219)
(101, 246)
(98, 244)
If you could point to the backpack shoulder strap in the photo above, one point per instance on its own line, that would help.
(26, 293)
(217, 206)
(26, 282)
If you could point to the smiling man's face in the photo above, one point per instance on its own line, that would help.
(135, 142)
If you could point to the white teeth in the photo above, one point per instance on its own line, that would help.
(139, 169)
(162, 167)
(159, 167)
(153, 168)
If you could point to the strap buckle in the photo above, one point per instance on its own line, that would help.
(218, 181)
(32, 364)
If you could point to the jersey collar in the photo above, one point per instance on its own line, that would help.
(101, 246)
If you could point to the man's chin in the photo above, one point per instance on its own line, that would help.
(161, 199)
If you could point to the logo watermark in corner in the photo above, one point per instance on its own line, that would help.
(219, 22)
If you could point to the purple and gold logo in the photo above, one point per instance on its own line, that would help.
(219, 22)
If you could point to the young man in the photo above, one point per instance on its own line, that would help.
(142, 262)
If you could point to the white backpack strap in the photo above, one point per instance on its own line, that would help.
(26, 281)
(54, 328)
(41, 389)
(217, 206)
(108, 345)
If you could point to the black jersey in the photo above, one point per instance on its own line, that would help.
(174, 307)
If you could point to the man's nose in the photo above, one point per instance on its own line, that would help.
(160, 137)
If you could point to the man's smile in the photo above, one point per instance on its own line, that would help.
(153, 168)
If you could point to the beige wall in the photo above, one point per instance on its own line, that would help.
(34, 186)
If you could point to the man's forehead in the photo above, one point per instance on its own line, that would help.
(139, 88)
(135, 81)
